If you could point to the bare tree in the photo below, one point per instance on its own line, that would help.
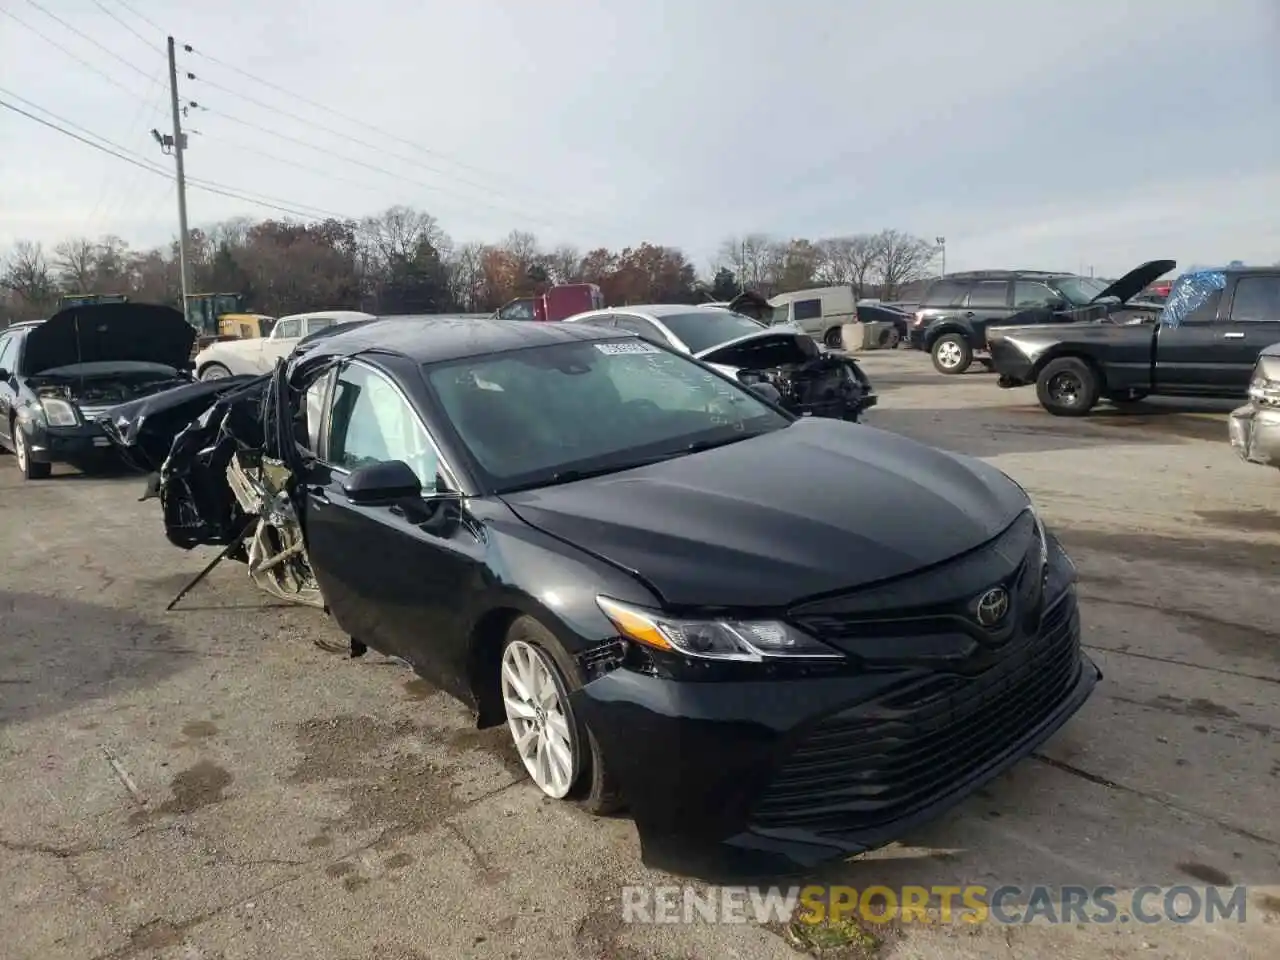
(26, 272)
(564, 265)
(850, 260)
(398, 232)
(900, 258)
(466, 274)
(76, 261)
(753, 258)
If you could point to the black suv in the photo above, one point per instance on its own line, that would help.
(952, 319)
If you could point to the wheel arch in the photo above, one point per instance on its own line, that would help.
(936, 331)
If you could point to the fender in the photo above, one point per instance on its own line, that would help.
(946, 326)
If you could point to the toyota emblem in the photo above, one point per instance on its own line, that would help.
(992, 606)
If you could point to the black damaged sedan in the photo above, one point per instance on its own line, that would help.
(779, 640)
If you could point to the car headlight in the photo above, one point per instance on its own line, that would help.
(1264, 390)
(1043, 537)
(57, 413)
(713, 639)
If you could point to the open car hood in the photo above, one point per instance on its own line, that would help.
(763, 350)
(751, 304)
(110, 333)
(1137, 280)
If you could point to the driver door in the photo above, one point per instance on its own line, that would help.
(388, 578)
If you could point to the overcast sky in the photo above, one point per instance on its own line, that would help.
(1029, 133)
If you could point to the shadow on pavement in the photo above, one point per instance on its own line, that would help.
(58, 653)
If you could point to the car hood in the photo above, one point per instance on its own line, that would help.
(763, 350)
(818, 507)
(109, 332)
(1137, 280)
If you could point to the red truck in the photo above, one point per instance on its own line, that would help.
(559, 302)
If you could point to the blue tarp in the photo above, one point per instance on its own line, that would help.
(1190, 292)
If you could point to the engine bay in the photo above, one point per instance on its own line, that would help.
(827, 386)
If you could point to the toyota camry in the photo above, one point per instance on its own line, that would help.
(770, 637)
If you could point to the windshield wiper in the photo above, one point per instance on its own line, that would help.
(699, 445)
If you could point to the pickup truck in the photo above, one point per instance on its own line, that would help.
(258, 355)
(1204, 343)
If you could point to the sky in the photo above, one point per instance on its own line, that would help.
(1086, 135)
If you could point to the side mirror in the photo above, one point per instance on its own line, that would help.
(383, 482)
(767, 391)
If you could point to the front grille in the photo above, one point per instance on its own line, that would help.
(874, 764)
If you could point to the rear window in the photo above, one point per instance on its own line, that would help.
(945, 293)
(709, 328)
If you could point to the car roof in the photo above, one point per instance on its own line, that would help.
(21, 325)
(660, 310)
(340, 315)
(1008, 275)
(439, 339)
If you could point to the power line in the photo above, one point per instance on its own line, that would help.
(343, 116)
(80, 33)
(107, 10)
(209, 186)
(149, 22)
(74, 56)
(362, 163)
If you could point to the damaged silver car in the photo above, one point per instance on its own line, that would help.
(809, 381)
(1255, 427)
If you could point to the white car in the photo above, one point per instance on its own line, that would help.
(258, 355)
(807, 380)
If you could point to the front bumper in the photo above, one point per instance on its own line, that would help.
(770, 777)
(1255, 433)
(77, 444)
(1010, 363)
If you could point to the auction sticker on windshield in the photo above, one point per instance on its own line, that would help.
(614, 349)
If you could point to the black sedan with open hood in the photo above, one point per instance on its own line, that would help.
(57, 377)
(775, 640)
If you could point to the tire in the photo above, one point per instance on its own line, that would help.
(951, 354)
(1068, 387)
(214, 371)
(833, 338)
(889, 338)
(29, 469)
(587, 781)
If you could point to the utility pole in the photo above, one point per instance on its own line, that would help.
(179, 144)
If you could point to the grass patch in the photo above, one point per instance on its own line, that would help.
(833, 940)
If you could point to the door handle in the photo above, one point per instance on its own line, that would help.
(1233, 336)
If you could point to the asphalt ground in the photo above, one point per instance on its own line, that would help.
(208, 784)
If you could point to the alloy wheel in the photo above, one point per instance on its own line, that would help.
(949, 354)
(215, 372)
(540, 725)
(20, 448)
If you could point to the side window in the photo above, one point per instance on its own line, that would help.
(639, 327)
(7, 352)
(517, 310)
(806, 310)
(1256, 299)
(989, 293)
(316, 324)
(371, 422)
(286, 329)
(945, 293)
(1029, 293)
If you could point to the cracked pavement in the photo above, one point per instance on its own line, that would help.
(276, 800)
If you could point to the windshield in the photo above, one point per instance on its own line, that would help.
(551, 414)
(1079, 291)
(709, 328)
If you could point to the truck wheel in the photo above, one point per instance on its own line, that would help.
(951, 354)
(1068, 387)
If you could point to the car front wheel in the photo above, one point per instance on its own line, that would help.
(951, 354)
(557, 750)
(30, 469)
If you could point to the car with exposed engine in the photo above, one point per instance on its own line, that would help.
(952, 320)
(1204, 342)
(258, 355)
(808, 380)
(773, 639)
(1254, 429)
(57, 376)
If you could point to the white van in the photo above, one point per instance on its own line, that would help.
(818, 311)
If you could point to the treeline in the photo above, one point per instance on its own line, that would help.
(402, 261)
